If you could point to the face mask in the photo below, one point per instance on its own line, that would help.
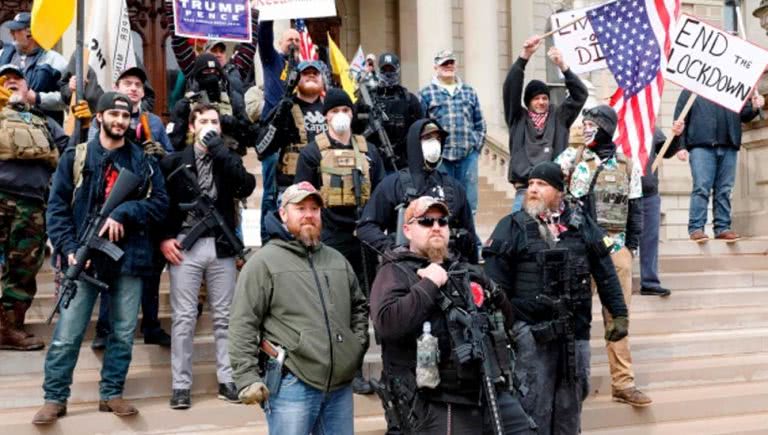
(589, 134)
(430, 148)
(203, 131)
(341, 122)
(390, 78)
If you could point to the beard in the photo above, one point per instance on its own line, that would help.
(536, 207)
(307, 232)
(436, 249)
(310, 89)
(109, 131)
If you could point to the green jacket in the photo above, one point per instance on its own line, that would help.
(309, 302)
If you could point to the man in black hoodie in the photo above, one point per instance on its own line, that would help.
(378, 226)
(539, 130)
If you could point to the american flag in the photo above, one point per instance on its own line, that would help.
(635, 37)
(307, 50)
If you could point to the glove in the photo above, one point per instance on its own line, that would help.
(5, 93)
(82, 112)
(617, 329)
(154, 149)
(257, 392)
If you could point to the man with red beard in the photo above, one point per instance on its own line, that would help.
(298, 302)
(543, 257)
(421, 287)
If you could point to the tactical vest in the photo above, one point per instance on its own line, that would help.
(611, 193)
(25, 136)
(289, 155)
(396, 108)
(529, 276)
(337, 167)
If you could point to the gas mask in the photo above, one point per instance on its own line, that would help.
(430, 148)
(210, 84)
(341, 122)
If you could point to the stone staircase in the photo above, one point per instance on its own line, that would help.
(701, 354)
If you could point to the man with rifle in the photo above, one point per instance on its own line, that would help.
(382, 217)
(543, 257)
(421, 287)
(84, 183)
(387, 104)
(204, 182)
(345, 168)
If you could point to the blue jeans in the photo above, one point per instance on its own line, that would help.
(517, 204)
(649, 242)
(298, 409)
(465, 171)
(269, 196)
(68, 336)
(713, 169)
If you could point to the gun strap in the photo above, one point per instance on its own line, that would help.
(298, 120)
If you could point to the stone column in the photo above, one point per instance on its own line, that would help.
(425, 29)
(373, 26)
(481, 60)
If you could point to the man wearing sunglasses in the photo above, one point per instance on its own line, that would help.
(543, 257)
(422, 284)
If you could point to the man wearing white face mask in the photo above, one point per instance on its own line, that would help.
(220, 176)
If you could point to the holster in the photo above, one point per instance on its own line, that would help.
(273, 375)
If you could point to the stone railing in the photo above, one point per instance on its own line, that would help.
(494, 161)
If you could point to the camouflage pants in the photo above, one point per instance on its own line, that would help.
(22, 244)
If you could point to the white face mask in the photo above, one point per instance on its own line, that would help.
(340, 122)
(589, 134)
(430, 148)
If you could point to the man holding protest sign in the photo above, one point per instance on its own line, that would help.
(538, 131)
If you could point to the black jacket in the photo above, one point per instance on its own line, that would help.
(560, 118)
(709, 124)
(380, 214)
(232, 182)
(508, 244)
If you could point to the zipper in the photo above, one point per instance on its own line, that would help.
(325, 315)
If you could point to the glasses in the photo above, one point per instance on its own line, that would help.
(428, 222)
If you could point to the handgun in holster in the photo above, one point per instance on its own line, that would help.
(273, 365)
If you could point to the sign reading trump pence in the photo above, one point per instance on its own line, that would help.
(713, 63)
(225, 20)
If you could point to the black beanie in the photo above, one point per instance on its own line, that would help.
(335, 98)
(549, 172)
(534, 88)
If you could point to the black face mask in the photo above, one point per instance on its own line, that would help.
(389, 78)
(210, 84)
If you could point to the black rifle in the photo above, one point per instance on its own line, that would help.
(392, 404)
(204, 207)
(557, 296)
(357, 185)
(376, 117)
(90, 241)
(268, 128)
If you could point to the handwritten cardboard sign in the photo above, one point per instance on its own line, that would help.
(577, 41)
(714, 64)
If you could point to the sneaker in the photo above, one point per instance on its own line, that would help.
(632, 396)
(99, 342)
(699, 236)
(180, 399)
(361, 386)
(158, 337)
(655, 291)
(729, 236)
(228, 392)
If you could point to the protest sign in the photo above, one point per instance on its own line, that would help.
(714, 64)
(577, 41)
(288, 9)
(224, 20)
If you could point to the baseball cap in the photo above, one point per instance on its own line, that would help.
(421, 205)
(389, 59)
(213, 43)
(310, 64)
(444, 56)
(113, 101)
(296, 193)
(11, 68)
(135, 72)
(22, 20)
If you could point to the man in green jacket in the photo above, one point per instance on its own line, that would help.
(301, 297)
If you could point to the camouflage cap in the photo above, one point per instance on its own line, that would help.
(421, 205)
(296, 193)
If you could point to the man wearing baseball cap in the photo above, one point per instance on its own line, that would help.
(527, 249)
(455, 105)
(84, 177)
(299, 298)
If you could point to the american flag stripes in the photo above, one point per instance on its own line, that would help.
(635, 38)
(307, 50)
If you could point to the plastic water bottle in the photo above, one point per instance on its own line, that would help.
(427, 356)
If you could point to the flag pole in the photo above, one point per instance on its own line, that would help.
(79, 79)
(570, 23)
(668, 142)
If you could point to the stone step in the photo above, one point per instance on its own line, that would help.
(700, 263)
(746, 246)
(711, 280)
(678, 404)
(695, 300)
(747, 424)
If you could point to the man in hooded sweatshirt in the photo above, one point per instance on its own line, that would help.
(378, 225)
(611, 188)
(539, 130)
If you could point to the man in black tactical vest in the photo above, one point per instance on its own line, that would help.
(464, 384)
(543, 257)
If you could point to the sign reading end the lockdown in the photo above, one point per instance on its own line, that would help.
(225, 20)
(713, 63)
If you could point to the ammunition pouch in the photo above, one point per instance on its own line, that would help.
(337, 168)
(546, 332)
(25, 136)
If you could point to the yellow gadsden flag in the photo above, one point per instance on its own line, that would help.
(340, 67)
(50, 19)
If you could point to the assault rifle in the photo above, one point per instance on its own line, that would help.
(90, 241)
(268, 128)
(376, 117)
(204, 207)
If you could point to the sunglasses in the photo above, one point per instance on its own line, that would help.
(428, 222)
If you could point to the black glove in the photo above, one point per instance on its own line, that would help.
(214, 143)
(617, 329)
